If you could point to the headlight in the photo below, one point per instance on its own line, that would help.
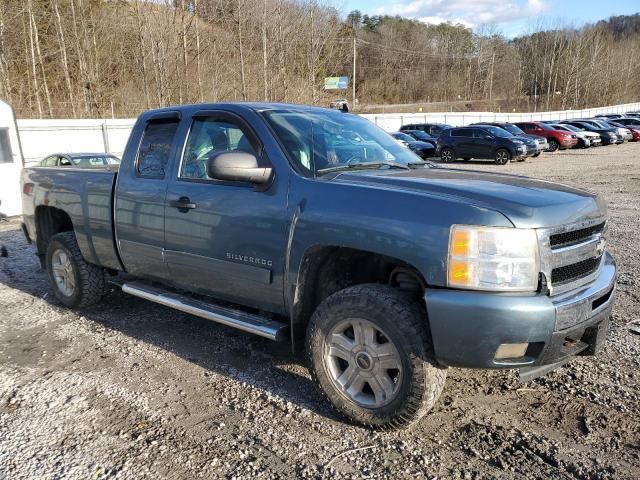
(518, 142)
(493, 258)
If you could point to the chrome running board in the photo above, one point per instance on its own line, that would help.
(247, 322)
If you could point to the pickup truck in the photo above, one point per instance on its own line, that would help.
(314, 226)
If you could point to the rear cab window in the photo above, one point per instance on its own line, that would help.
(155, 148)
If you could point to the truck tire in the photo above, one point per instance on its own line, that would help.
(447, 155)
(503, 156)
(371, 356)
(76, 283)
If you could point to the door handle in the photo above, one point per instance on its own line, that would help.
(183, 204)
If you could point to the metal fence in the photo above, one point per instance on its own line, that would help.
(44, 137)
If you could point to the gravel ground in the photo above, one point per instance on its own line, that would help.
(129, 389)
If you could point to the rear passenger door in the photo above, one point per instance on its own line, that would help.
(463, 142)
(140, 199)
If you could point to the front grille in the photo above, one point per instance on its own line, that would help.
(570, 238)
(575, 271)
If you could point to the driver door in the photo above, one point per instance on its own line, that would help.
(225, 239)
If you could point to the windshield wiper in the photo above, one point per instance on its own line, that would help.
(362, 165)
(420, 163)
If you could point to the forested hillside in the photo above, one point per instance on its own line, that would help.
(98, 58)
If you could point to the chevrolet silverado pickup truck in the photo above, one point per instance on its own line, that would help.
(314, 226)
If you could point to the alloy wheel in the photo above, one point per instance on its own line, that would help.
(63, 272)
(363, 363)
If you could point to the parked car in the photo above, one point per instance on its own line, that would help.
(628, 121)
(558, 139)
(620, 129)
(387, 271)
(433, 129)
(484, 142)
(80, 160)
(632, 124)
(422, 136)
(422, 149)
(541, 142)
(608, 135)
(608, 115)
(622, 133)
(585, 139)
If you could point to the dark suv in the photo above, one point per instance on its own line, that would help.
(541, 142)
(484, 142)
(433, 129)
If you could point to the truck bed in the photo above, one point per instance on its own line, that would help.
(86, 195)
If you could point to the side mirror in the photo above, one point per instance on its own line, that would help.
(538, 129)
(238, 167)
(488, 137)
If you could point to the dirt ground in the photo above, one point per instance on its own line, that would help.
(129, 389)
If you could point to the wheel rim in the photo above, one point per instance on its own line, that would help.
(363, 363)
(63, 273)
(502, 157)
(553, 145)
(446, 156)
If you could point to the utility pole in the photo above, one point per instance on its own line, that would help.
(353, 79)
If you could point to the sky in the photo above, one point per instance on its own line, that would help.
(509, 17)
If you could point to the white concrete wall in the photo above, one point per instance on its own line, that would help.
(44, 137)
(392, 122)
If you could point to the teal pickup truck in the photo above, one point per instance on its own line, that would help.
(314, 226)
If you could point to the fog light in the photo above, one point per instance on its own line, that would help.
(511, 350)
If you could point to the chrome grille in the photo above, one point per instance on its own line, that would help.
(576, 236)
(574, 271)
(571, 255)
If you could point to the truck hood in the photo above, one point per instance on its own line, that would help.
(526, 202)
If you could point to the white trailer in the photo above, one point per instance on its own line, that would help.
(11, 162)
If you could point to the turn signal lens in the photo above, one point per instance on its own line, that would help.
(460, 243)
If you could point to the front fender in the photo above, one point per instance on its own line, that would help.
(409, 226)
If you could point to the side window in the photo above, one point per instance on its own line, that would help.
(456, 132)
(64, 161)
(5, 146)
(208, 136)
(155, 148)
(478, 133)
(50, 161)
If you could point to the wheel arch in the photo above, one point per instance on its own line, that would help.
(326, 269)
(50, 221)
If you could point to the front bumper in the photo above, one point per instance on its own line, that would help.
(569, 143)
(468, 327)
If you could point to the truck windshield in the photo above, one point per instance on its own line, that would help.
(323, 141)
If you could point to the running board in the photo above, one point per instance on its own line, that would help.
(261, 326)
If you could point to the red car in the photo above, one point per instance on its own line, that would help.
(635, 131)
(558, 139)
